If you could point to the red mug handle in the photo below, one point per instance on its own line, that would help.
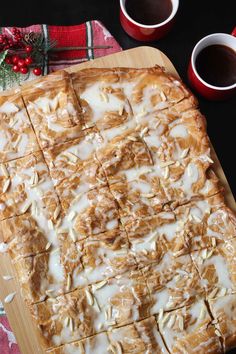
(234, 32)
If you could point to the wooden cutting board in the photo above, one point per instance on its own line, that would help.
(17, 312)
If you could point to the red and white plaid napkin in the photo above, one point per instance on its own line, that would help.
(88, 34)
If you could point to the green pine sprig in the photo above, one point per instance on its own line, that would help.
(7, 76)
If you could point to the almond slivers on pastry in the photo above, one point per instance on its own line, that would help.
(113, 217)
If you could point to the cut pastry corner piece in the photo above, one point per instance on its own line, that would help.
(189, 330)
(173, 282)
(17, 137)
(26, 185)
(85, 312)
(41, 276)
(216, 266)
(139, 338)
(95, 344)
(223, 309)
(53, 109)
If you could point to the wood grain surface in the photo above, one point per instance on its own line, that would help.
(17, 311)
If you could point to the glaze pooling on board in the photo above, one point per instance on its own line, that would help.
(117, 228)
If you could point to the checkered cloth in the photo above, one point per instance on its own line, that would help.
(88, 34)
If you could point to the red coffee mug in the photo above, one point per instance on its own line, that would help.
(210, 92)
(147, 32)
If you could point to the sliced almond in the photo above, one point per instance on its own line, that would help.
(184, 153)
(50, 225)
(81, 348)
(6, 185)
(121, 110)
(181, 322)
(202, 313)
(71, 215)
(213, 293)
(7, 277)
(132, 138)
(209, 159)
(163, 96)
(99, 285)
(73, 235)
(160, 315)
(213, 242)
(104, 97)
(90, 297)
(144, 131)
(217, 332)
(167, 172)
(9, 298)
(66, 322)
(171, 321)
(118, 348)
(71, 324)
(57, 212)
(4, 170)
(26, 207)
(167, 163)
(68, 282)
(48, 245)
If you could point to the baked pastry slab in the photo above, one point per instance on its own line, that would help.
(17, 138)
(189, 330)
(173, 282)
(85, 312)
(53, 109)
(25, 183)
(138, 338)
(224, 312)
(216, 267)
(92, 345)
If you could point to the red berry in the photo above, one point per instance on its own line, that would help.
(15, 68)
(8, 60)
(21, 63)
(24, 70)
(28, 60)
(28, 49)
(15, 59)
(37, 71)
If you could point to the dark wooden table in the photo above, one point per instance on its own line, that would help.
(195, 19)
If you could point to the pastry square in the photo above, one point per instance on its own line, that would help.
(64, 319)
(124, 157)
(189, 330)
(150, 89)
(206, 222)
(40, 276)
(103, 101)
(217, 268)
(122, 300)
(138, 338)
(174, 137)
(89, 213)
(26, 183)
(223, 310)
(88, 311)
(92, 345)
(189, 179)
(97, 258)
(173, 282)
(29, 234)
(53, 109)
(151, 237)
(17, 138)
(140, 198)
(74, 168)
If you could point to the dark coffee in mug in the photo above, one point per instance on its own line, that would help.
(216, 64)
(149, 12)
